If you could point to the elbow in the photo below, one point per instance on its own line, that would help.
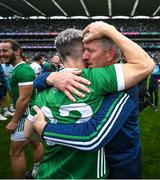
(150, 66)
(147, 66)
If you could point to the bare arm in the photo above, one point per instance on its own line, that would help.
(139, 63)
(25, 93)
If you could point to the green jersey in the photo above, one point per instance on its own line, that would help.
(68, 163)
(21, 75)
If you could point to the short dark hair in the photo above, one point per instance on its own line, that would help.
(67, 42)
(14, 44)
(37, 57)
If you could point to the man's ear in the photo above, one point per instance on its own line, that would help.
(111, 54)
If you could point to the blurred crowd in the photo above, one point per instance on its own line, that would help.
(57, 25)
(44, 44)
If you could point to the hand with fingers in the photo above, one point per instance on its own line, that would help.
(96, 30)
(11, 127)
(69, 83)
(39, 120)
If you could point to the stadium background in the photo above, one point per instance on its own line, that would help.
(35, 24)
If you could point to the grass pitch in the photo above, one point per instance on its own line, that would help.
(150, 139)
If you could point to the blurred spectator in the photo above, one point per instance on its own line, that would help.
(56, 61)
(153, 85)
(45, 66)
(36, 65)
(144, 96)
(26, 59)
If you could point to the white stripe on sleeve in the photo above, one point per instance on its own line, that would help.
(120, 77)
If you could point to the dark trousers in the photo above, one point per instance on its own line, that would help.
(153, 90)
(131, 170)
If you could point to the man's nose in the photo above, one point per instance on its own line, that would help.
(85, 56)
(1, 53)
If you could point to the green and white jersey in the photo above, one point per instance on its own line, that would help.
(21, 75)
(67, 163)
(56, 105)
(61, 162)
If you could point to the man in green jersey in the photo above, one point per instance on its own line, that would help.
(21, 81)
(60, 162)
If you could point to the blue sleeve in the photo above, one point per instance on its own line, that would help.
(40, 82)
(99, 130)
(3, 82)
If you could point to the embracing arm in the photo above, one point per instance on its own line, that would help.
(40, 82)
(95, 133)
(138, 63)
(67, 82)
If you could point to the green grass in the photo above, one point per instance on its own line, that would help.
(5, 165)
(150, 139)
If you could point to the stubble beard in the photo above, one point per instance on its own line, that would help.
(10, 59)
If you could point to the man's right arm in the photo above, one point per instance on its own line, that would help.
(138, 63)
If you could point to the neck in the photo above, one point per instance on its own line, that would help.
(17, 61)
(78, 63)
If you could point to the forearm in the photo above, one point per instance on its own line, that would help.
(40, 82)
(139, 63)
(21, 106)
(95, 133)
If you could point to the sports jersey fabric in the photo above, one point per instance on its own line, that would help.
(59, 109)
(21, 75)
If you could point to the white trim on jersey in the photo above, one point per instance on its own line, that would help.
(101, 165)
(30, 117)
(25, 83)
(89, 145)
(120, 77)
(22, 62)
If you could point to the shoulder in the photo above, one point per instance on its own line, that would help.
(24, 72)
(24, 69)
(100, 71)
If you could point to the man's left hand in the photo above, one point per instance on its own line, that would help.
(39, 120)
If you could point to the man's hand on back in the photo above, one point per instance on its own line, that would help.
(68, 83)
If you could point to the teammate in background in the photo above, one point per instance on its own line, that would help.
(55, 65)
(129, 53)
(21, 81)
(36, 65)
(153, 85)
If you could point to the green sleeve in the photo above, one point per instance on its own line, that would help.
(25, 74)
(103, 80)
